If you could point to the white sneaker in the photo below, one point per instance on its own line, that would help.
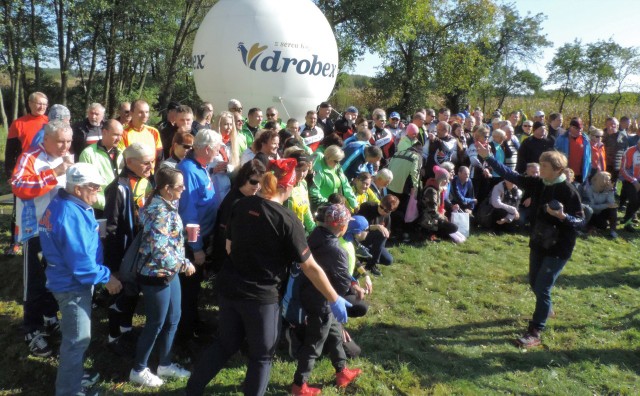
(173, 370)
(145, 378)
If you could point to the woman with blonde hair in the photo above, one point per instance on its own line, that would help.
(233, 141)
(599, 194)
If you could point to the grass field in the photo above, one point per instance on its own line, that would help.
(441, 322)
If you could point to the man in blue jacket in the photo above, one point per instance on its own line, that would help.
(71, 245)
(197, 206)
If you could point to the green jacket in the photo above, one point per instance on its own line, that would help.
(248, 135)
(405, 164)
(97, 155)
(327, 181)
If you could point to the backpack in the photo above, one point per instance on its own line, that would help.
(292, 310)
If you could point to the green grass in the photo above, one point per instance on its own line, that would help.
(441, 322)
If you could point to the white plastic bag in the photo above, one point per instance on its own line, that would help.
(461, 219)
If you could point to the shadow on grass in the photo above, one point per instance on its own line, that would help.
(433, 353)
(616, 278)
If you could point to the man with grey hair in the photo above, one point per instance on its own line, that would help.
(73, 251)
(124, 197)
(89, 130)
(38, 175)
(380, 182)
(56, 112)
(198, 205)
(234, 105)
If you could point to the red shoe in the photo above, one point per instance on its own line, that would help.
(304, 390)
(346, 376)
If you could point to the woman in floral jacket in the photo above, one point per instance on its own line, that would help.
(163, 244)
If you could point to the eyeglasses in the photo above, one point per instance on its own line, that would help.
(382, 119)
(254, 182)
(179, 187)
(187, 146)
(236, 109)
(40, 104)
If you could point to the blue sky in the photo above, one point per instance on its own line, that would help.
(587, 20)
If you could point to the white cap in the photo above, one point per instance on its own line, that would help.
(84, 173)
(539, 113)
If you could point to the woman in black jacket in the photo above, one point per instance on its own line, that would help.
(558, 214)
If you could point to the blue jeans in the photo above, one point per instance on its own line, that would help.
(543, 272)
(239, 320)
(75, 325)
(162, 311)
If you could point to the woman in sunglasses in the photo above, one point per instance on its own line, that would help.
(247, 183)
(180, 146)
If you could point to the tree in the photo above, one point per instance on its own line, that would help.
(516, 81)
(625, 63)
(565, 68)
(596, 72)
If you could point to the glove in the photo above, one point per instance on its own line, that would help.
(339, 309)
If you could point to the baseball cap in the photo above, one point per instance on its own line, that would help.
(539, 113)
(84, 173)
(394, 114)
(352, 109)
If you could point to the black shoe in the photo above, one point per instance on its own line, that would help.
(374, 270)
(52, 329)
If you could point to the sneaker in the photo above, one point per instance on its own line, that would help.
(346, 376)
(145, 378)
(362, 252)
(89, 379)
(87, 391)
(530, 339)
(374, 270)
(38, 346)
(121, 347)
(406, 238)
(173, 370)
(304, 390)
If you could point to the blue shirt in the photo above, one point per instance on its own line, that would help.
(197, 203)
(71, 244)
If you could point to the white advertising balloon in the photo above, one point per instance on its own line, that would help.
(265, 53)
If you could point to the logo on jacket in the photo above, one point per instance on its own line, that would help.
(275, 62)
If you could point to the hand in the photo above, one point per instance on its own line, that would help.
(198, 257)
(431, 136)
(383, 230)
(516, 215)
(113, 286)
(339, 309)
(190, 270)
(557, 213)
(486, 173)
(483, 150)
(527, 202)
(359, 291)
(455, 208)
(62, 168)
(368, 285)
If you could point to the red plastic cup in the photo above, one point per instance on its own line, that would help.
(192, 232)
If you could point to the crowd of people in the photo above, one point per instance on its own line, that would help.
(291, 220)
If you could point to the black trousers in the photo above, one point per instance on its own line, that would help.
(321, 331)
(38, 301)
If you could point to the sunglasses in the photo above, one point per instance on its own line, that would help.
(187, 146)
(254, 182)
(526, 126)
